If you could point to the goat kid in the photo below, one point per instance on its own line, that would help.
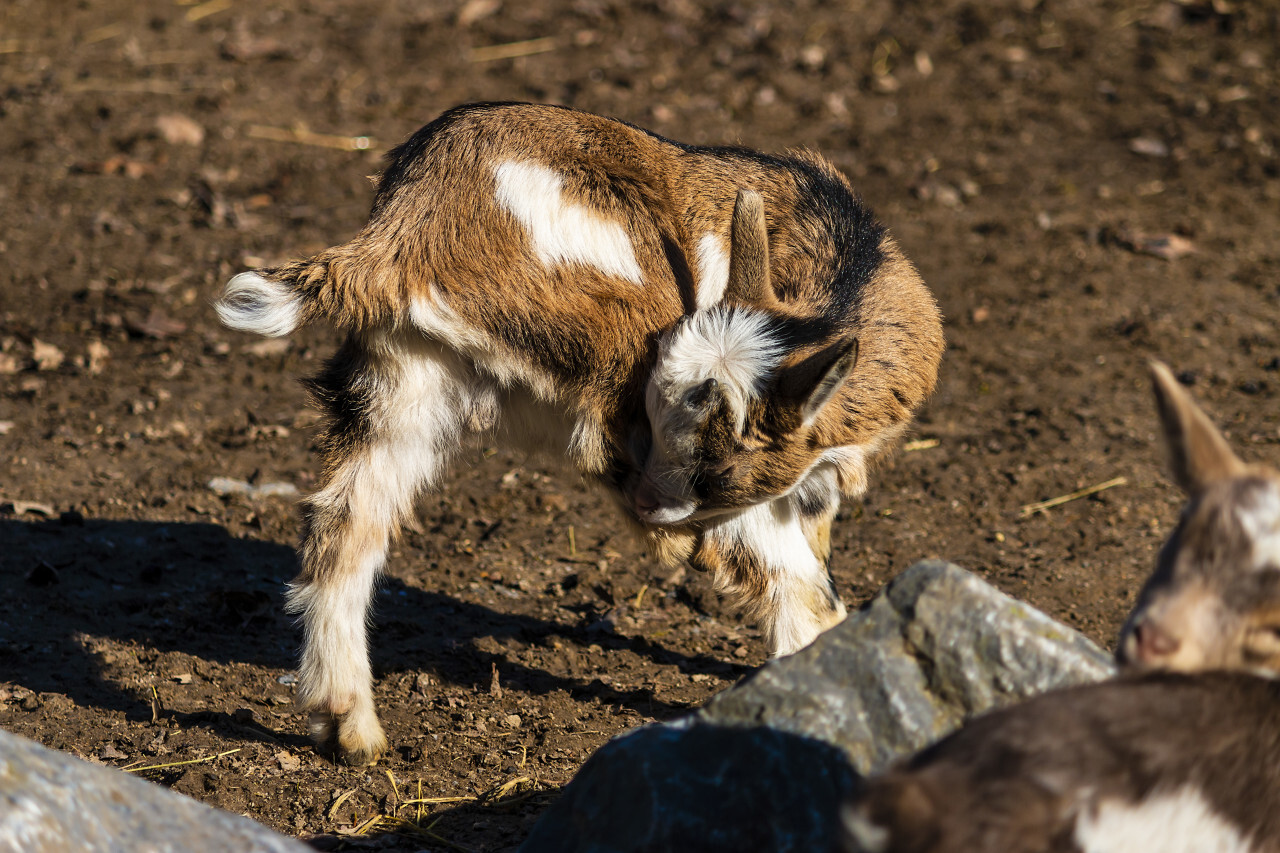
(725, 363)
(1182, 753)
(1213, 601)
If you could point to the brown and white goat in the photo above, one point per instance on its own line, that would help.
(559, 280)
(1181, 754)
(1214, 599)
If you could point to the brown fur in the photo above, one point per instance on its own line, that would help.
(1016, 780)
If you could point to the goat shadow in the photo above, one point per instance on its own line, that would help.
(195, 589)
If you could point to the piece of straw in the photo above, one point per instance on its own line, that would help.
(132, 769)
(512, 50)
(1031, 509)
(301, 136)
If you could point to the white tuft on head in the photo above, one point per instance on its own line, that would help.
(733, 345)
(251, 303)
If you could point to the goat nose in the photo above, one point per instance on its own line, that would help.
(645, 498)
(1154, 642)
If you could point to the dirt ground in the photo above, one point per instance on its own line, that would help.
(1085, 185)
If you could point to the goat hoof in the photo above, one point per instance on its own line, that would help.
(362, 757)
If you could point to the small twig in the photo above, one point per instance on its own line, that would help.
(920, 444)
(573, 546)
(640, 595)
(110, 31)
(337, 804)
(368, 824)
(204, 10)
(305, 137)
(431, 801)
(132, 769)
(512, 50)
(408, 827)
(1031, 509)
(395, 789)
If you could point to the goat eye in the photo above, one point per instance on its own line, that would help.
(723, 479)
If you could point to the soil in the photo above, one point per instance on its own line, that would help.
(1085, 185)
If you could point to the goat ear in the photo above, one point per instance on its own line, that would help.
(1198, 454)
(748, 252)
(813, 382)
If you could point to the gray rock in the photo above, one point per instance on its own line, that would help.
(935, 647)
(54, 802)
(765, 764)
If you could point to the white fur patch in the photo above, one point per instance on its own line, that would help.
(251, 303)
(732, 346)
(1176, 822)
(713, 271)
(563, 232)
(1261, 523)
(798, 583)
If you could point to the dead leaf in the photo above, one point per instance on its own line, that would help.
(156, 325)
(183, 678)
(8, 363)
(1148, 146)
(243, 46)
(117, 165)
(288, 761)
(268, 347)
(46, 356)
(477, 10)
(177, 129)
(1170, 247)
(95, 354)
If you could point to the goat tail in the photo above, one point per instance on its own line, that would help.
(340, 285)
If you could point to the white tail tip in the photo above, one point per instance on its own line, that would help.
(255, 304)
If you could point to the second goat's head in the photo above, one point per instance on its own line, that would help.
(1214, 599)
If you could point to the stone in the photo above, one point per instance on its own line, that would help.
(52, 802)
(766, 763)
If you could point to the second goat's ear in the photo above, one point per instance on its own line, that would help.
(1198, 454)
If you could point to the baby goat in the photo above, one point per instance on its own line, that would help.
(724, 339)
(1180, 762)
(1214, 599)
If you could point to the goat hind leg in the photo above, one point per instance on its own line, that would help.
(373, 476)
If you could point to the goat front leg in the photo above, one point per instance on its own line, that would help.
(770, 561)
(390, 431)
